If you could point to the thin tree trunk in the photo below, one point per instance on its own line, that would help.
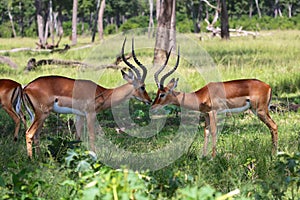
(151, 23)
(258, 9)
(172, 38)
(250, 9)
(51, 22)
(100, 20)
(40, 22)
(12, 23)
(95, 21)
(74, 22)
(290, 10)
(224, 21)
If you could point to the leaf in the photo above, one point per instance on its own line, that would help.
(90, 193)
(71, 155)
(83, 166)
(69, 182)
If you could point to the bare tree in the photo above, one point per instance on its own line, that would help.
(165, 35)
(100, 20)
(74, 22)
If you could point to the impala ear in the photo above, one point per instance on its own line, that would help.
(128, 77)
(172, 84)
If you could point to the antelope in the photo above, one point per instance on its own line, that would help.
(217, 97)
(11, 101)
(83, 98)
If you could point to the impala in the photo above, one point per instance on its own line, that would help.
(11, 100)
(83, 98)
(218, 97)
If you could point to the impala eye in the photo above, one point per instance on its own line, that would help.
(143, 88)
(162, 95)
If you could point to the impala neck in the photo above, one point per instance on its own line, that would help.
(187, 100)
(115, 96)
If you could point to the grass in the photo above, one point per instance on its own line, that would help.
(243, 160)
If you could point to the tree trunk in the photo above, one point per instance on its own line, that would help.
(51, 22)
(40, 22)
(165, 34)
(258, 9)
(290, 10)
(58, 22)
(74, 22)
(12, 23)
(151, 23)
(277, 10)
(100, 20)
(172, 38)
(95, 21)
(224, 21)
(158, 2)
(250, 9)
(198, 16)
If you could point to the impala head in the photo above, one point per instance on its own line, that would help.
(135, 78)
(165, 94)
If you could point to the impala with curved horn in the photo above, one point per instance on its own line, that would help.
(83, 98)
(10, 101)
(218, 97)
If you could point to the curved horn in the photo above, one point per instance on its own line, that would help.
(171, 71)
(137, 72)
(159, 85)
(139, 63)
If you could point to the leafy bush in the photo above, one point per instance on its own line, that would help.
(135, 22)
(110, 29)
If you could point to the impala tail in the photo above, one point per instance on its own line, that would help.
(16, 100)
(28, 104)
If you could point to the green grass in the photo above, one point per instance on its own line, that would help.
(244, 160)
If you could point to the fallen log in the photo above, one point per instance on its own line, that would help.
(8, 61)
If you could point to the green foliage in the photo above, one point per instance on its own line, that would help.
(134, 23)
(110, 29)
(5, 30)
(91, 180)
(265, 23)
(183, 24)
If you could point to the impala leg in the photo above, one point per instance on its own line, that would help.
(206, 135)
(91, 118)
(265, 118)
(32, 132)
(16, 119)
(79, 126)
(213, 129)
(22, 116)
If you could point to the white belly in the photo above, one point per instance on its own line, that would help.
(238, 109)
(66, 110)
